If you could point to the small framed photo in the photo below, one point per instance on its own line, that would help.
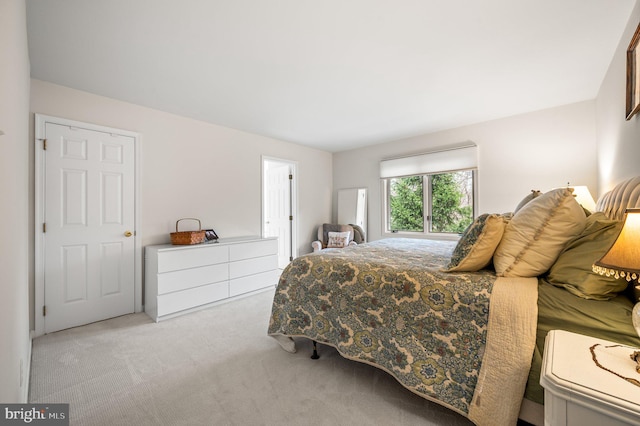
(210, 235)
(633, 76)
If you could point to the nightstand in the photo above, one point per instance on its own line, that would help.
(578, 392)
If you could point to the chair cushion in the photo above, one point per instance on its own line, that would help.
(358, 234)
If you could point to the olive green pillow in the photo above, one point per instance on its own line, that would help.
(534, 194)
(477, 243)
(573, 268)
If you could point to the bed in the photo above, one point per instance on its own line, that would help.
(463, 323)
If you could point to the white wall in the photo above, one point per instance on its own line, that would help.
(618, 139)
(538, 150)
(14, 209)
(196, 169)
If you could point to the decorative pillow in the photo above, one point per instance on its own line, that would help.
(323, 231)
(477, 244)
(573, 270)
(536, 235)
(338, 239)
(534, 194)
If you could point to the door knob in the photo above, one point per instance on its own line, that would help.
(128, 234)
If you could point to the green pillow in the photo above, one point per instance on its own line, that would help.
(573, 268)
(534, 194)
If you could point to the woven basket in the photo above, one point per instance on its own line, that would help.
(184, 238)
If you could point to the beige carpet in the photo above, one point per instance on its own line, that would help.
(214, 367)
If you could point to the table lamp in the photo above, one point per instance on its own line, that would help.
(623, 258)
(584, 197)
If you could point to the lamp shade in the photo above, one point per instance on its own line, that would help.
(584, 197)
(623, 258)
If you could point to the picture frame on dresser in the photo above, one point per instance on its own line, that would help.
(633, 75)
(210, 235)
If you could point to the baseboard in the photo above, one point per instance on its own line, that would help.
(25, 375)
(532, 412)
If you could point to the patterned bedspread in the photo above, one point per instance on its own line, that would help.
(387, 303)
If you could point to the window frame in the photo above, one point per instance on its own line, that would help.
(427, 202)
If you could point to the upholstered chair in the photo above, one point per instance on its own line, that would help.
(339, 237)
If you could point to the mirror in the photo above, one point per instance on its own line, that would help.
(352, 207)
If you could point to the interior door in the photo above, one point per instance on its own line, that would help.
(89, 235)
(278, 208)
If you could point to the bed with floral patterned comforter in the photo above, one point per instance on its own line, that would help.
(463, 340)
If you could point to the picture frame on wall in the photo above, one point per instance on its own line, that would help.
(633, 75)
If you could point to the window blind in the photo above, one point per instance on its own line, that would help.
(444, 160)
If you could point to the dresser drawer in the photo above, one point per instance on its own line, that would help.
(181, 279)
(253, 249)
(173, 260)
(194, 277)
(253, 282)
(191, 298)
(256, 265)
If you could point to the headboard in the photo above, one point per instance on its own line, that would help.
(623, 196)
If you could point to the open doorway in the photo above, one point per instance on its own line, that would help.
(279, 206)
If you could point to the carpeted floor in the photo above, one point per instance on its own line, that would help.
(214, 367)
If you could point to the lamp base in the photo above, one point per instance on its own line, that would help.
(635, 317)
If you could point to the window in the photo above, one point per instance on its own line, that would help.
(446, 197)
(406, 204)
(451, 201)
(432, 192)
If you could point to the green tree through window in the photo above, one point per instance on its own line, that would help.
(407, 204)
(450, 207)
(450, 202)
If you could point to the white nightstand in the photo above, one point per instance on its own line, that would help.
(578, 392)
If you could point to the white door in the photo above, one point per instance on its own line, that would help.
(278, 207)
(89, 235)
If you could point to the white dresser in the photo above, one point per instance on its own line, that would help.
(181, 279)
(579, 393)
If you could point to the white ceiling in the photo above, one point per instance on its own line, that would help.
(332, 74)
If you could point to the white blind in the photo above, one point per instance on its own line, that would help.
(445, 160)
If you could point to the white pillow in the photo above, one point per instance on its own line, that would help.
(338, 239)
(538, 232)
